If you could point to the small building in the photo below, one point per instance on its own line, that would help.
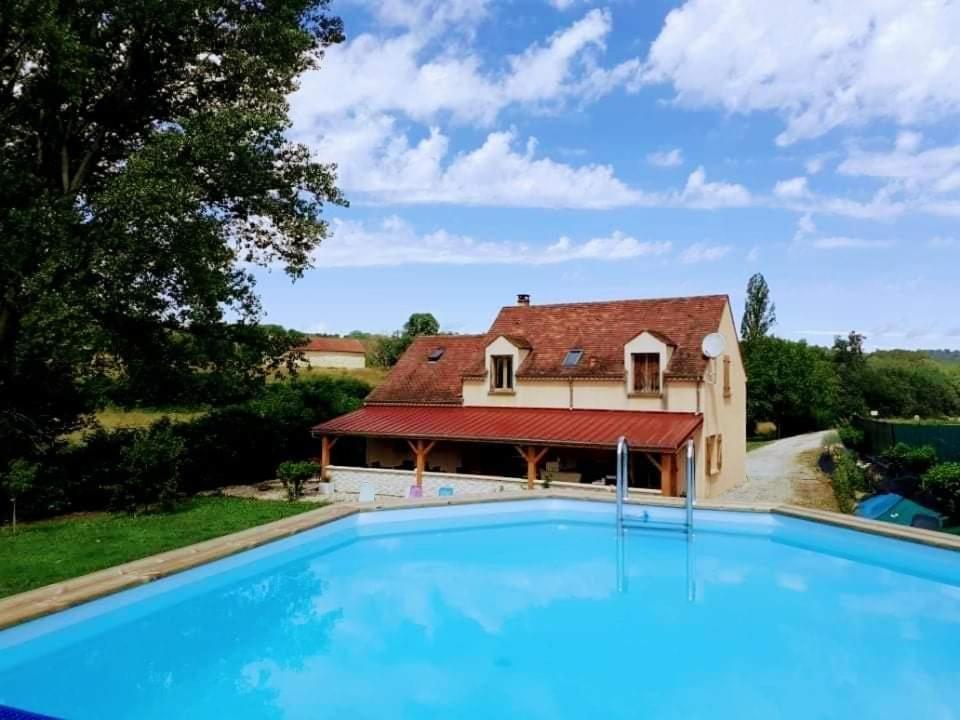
(544, 395)
(334, 352)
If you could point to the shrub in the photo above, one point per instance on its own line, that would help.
(941, 484)
(848, 479)
(902, 459)
(851, 437)
(149, 470)
(293, 475)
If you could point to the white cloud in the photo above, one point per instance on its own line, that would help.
(937, 169)
(666, 158)
(753, 256)
(430, 16)
(422, 78)
(562, 4)
(815, 164)
(848, 243)
(700, 193)
(395, 242)
(818, 63)
(792, 189)
(702, 252)
(940, 242)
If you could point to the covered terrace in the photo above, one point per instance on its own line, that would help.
(473, 439)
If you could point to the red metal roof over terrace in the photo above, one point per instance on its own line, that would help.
(651, 431)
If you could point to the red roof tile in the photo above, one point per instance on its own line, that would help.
(601, 329)
(415, 379)
(333, 344)
(655, 431)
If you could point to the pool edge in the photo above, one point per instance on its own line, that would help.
(50, 599)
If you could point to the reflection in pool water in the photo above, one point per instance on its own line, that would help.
(536, 614)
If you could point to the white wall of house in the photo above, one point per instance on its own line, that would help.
(315, 358)
(396, 483)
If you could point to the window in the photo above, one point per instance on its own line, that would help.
(502, 372)
(572, 358)
(727, 390)
(646, 372)
(435, 354)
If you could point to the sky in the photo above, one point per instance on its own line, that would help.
(637, 148)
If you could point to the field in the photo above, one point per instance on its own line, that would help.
(49, 551)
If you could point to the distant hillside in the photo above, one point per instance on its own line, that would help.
(947, 356)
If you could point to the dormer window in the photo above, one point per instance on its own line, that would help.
(435, 355)
(572, 358)
(646, 373)
(502, 372)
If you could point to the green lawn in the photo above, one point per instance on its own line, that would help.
(49, 551)
(754, 444)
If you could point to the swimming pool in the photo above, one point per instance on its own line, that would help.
(533, 609)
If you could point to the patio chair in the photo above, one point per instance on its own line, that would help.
(368, 491)
(445, 491)
(415, 491)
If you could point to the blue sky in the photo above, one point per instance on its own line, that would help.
(580, 151)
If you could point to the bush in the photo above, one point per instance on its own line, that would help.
(293, 475)
(19, 480)
(941, 484)
(906, 460)
(851, 437)
(149, 470)
(848, 479)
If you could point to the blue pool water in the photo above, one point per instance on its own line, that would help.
(516, 610)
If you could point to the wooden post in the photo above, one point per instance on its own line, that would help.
(532, 457)
(667, 474)
(420, 451)
(326, 445)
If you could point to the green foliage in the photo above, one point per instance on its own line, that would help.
(903, 385)
(903, 460)
(791, 383)
(759, 313)
(388, 349)
(149, 470)
(18, 480)
(294, 474)
(144, 164)
(848, 479)
(51, 551)
(941, 484)
(851, 437)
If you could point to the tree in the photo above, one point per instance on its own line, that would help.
(759, 313)
(20, 478)
(389, 349)
(143, 168)
(851, 365)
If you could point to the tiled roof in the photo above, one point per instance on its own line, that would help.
(415, 379)
(601, 329)
(333, 344)
(653, 431)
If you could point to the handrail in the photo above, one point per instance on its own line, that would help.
(623, 468)
(691, 484)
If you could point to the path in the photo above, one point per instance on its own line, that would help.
(785, 471)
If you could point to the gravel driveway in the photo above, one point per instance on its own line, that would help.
(785, 471)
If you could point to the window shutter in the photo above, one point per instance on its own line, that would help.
(727, 390)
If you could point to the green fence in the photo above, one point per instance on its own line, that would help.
(878, 435)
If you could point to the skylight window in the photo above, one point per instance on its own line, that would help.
(435, 354)
(572, 358)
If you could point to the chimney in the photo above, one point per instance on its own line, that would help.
(523, 299)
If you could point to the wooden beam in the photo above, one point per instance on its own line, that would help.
(326, 445)
(652, 459)
(420, 452)
(667, 475)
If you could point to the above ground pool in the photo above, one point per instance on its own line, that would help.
(528, 609)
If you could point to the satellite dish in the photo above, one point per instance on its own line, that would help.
(713, 345)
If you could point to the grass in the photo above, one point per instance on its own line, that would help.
(114, 417)
(49, 551)
(754, 444)
(372, 375)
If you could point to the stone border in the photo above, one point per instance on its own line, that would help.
(49, 599)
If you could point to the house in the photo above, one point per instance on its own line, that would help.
(544, 395)
(334, 352)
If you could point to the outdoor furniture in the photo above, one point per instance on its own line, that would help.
(415, 491)
(445, 491)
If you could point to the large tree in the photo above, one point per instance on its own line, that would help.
(144, 169)
(759, 312)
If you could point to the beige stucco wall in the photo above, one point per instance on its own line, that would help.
(334, 359)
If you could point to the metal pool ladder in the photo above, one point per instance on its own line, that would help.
(623, 473)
